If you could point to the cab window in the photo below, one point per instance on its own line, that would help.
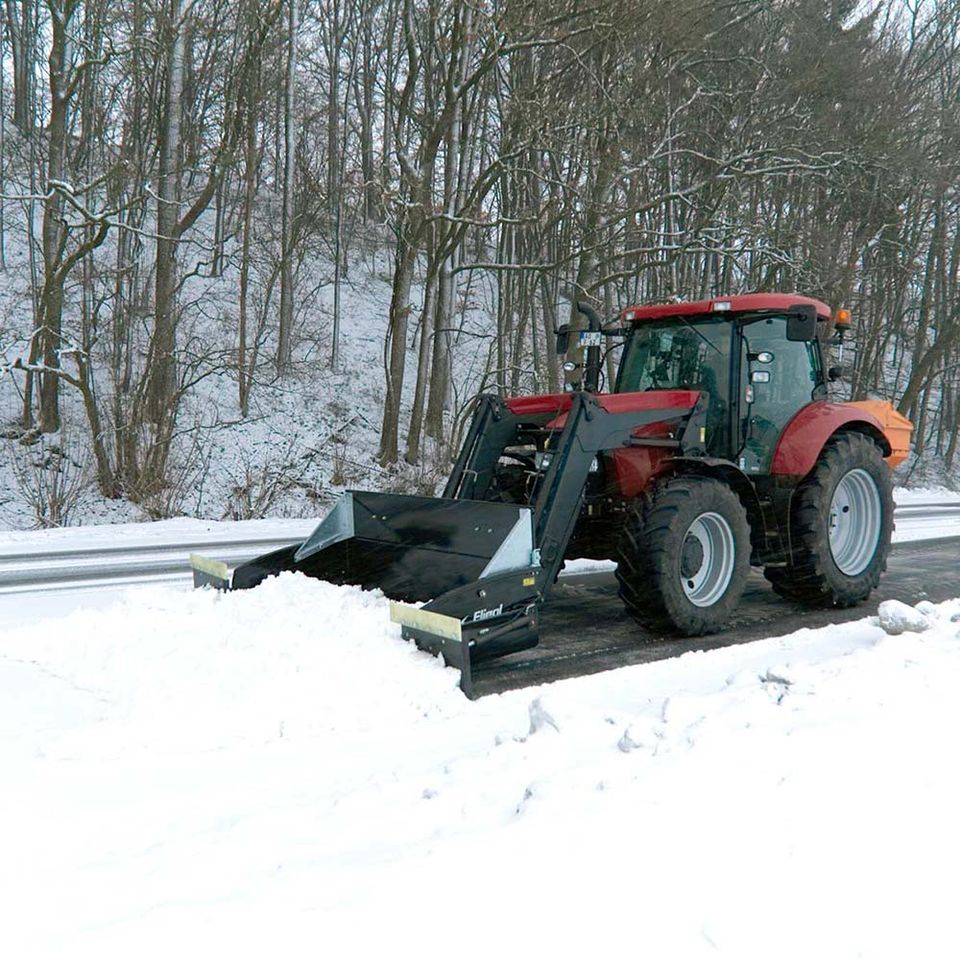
(783, 375)
(684, 355)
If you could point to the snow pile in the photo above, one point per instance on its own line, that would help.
(275, 773)
(896, 617)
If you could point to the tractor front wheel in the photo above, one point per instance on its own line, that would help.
(684, 555)
(840, 527)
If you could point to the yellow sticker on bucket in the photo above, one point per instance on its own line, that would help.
(419, 619)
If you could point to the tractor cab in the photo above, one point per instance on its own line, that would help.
(756, 360)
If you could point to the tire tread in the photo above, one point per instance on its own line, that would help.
(647, 553)
(812, 578)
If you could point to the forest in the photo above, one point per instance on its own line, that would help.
(190, 190)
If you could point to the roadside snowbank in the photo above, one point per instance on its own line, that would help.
(151, 534)
(911, 495)
(275, 773)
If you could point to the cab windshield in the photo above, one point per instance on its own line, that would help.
(678, 355)
(686, 355)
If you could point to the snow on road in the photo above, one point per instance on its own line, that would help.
(275, 773)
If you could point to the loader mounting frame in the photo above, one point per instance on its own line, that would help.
(588, 430)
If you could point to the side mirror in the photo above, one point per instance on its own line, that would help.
(563, 339)
(835, 373)
(802, 322)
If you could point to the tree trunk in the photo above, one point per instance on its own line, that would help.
(423, 370)
(244, 377)
(396, 347)
(366, 82)
(3, 153)
(162, 375)
(333, 107)
(21, 29)
(284, 340)
(52, 231)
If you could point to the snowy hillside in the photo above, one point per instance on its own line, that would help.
(183, 197)
(276, 773)
(307, 436)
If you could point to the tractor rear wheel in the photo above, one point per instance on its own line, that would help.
(840, 527)
(684, 555)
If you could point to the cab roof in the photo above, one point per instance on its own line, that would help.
(743, 303)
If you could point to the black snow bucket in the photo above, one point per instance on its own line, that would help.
(411, 548)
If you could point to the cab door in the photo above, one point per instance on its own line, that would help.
(777, 377)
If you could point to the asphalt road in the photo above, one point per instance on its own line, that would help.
(585, 628)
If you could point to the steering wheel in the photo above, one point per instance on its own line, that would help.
(522, 459)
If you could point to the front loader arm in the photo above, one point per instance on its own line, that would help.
(589, 430)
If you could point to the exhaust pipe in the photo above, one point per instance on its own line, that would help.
(592, 360)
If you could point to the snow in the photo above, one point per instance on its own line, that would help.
(912, 495)
(276, 773)
(170, 533)
(896, 617)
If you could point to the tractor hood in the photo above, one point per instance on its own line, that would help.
(647, 400)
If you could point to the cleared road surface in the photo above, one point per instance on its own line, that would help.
(586, 628)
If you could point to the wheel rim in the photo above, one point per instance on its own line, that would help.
(855, 520)
(707, 559)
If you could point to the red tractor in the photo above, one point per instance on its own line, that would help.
(717, 450)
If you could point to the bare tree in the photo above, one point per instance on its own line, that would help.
(284, 341)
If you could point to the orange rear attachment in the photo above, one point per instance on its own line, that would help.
(896, 426)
